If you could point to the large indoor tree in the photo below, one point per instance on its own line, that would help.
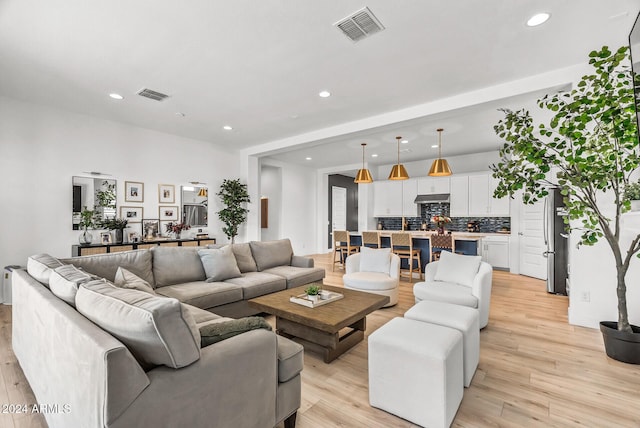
(234, 196)
(590, 147)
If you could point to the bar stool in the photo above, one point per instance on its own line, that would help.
(342, 246)
(402, 245)
(371, 239)
(441, 242)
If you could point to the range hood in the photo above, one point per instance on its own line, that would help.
(432, 198)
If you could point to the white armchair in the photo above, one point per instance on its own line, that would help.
(359, 277)
(474, 292)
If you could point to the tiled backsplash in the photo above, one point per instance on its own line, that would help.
(458, 224)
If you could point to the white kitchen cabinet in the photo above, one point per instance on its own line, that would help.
(387, 198)
(433, 185)
(459, 196)
(481, 200)
(495, 251)
(409, 193)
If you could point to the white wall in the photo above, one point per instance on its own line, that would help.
(41, 149)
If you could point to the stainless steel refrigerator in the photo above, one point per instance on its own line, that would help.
(556, 239)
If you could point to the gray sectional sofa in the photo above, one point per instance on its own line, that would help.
(116, 356)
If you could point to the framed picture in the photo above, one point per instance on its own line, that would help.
(133, 237)
(166, 193)
(105, 237)
(163, 228)
(168, 212)
(133, 214)
(150, 229)
(133, 191)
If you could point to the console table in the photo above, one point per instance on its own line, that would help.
(86, 250)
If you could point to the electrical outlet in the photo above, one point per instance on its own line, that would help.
(586, 296)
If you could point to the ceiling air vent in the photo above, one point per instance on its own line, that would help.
(154, 95)
(360, 24)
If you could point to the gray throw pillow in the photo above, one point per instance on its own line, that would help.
(128, 279)
(219, 331)
(244, 258)
(219, 264)
(65, 280)
(269, 254)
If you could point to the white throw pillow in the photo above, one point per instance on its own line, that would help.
(375, 259)
(219, 263)
(457, 268)
(65, 280)
(128, 279)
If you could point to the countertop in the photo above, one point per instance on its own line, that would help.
(421, 234)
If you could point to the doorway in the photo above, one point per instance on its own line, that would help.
(343, 210)
(532, 262)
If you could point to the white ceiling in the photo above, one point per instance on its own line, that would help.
(259, 65)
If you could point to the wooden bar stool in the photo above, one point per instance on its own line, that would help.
(341, 246)
(402, 245)
(441, 242)
(371, 239)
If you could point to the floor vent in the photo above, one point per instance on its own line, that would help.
(359, 25)
(154, 95)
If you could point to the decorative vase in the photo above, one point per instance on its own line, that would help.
(620, 345)
(314, 298)
(440, 230)
(85, 238)
(119, 235)
(177, 235)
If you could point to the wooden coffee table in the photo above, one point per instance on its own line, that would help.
(319, 328)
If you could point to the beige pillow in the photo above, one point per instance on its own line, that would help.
(127, 279)
(65, 280)
(156, 329)
(244, 258)
(40, 266)
(219, 264)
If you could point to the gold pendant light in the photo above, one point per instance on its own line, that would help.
(363, 176)
(398, 172)
(203, 192)
(440, 167)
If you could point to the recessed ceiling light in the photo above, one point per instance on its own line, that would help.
(180, 114)
(538, 19)
(325, 94)
(435, 146)
(116, 96)
(227, 128)
(375, 155)
(307, 158)
(404, 141)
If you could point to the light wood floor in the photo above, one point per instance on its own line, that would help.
(535, 370)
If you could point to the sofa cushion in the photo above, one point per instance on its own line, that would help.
(176, 265)
(244, 258)
(65, 280)
(219, 331)
(202, 294)
(447, 292)
(457, 268)
(290, 359)
(40, 266)
(270, 254)
(296, 276)
(219, 264)
(106, 265)
(256, 284)
(375, 259)
(127, 279)
(200, 315)
(157, 330)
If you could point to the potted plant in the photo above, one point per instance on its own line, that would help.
(233, 195)
(117, 224)
(87, 220)
(177, 228)
(589, 148)
(632, 194)
(313, 292)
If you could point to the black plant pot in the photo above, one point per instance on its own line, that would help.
(119, 236)
(620, 345)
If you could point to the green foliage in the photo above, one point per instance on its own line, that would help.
(632, 191)
(107, 196)
(233, 195)
(589, 147)
(87, 218)
(313, 290)
(114, 223)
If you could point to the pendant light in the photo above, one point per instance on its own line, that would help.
(398, 172)
(203, 192)
(440, 167)
(363, 176)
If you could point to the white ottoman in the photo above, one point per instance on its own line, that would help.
(463, 319)
(415, 371)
